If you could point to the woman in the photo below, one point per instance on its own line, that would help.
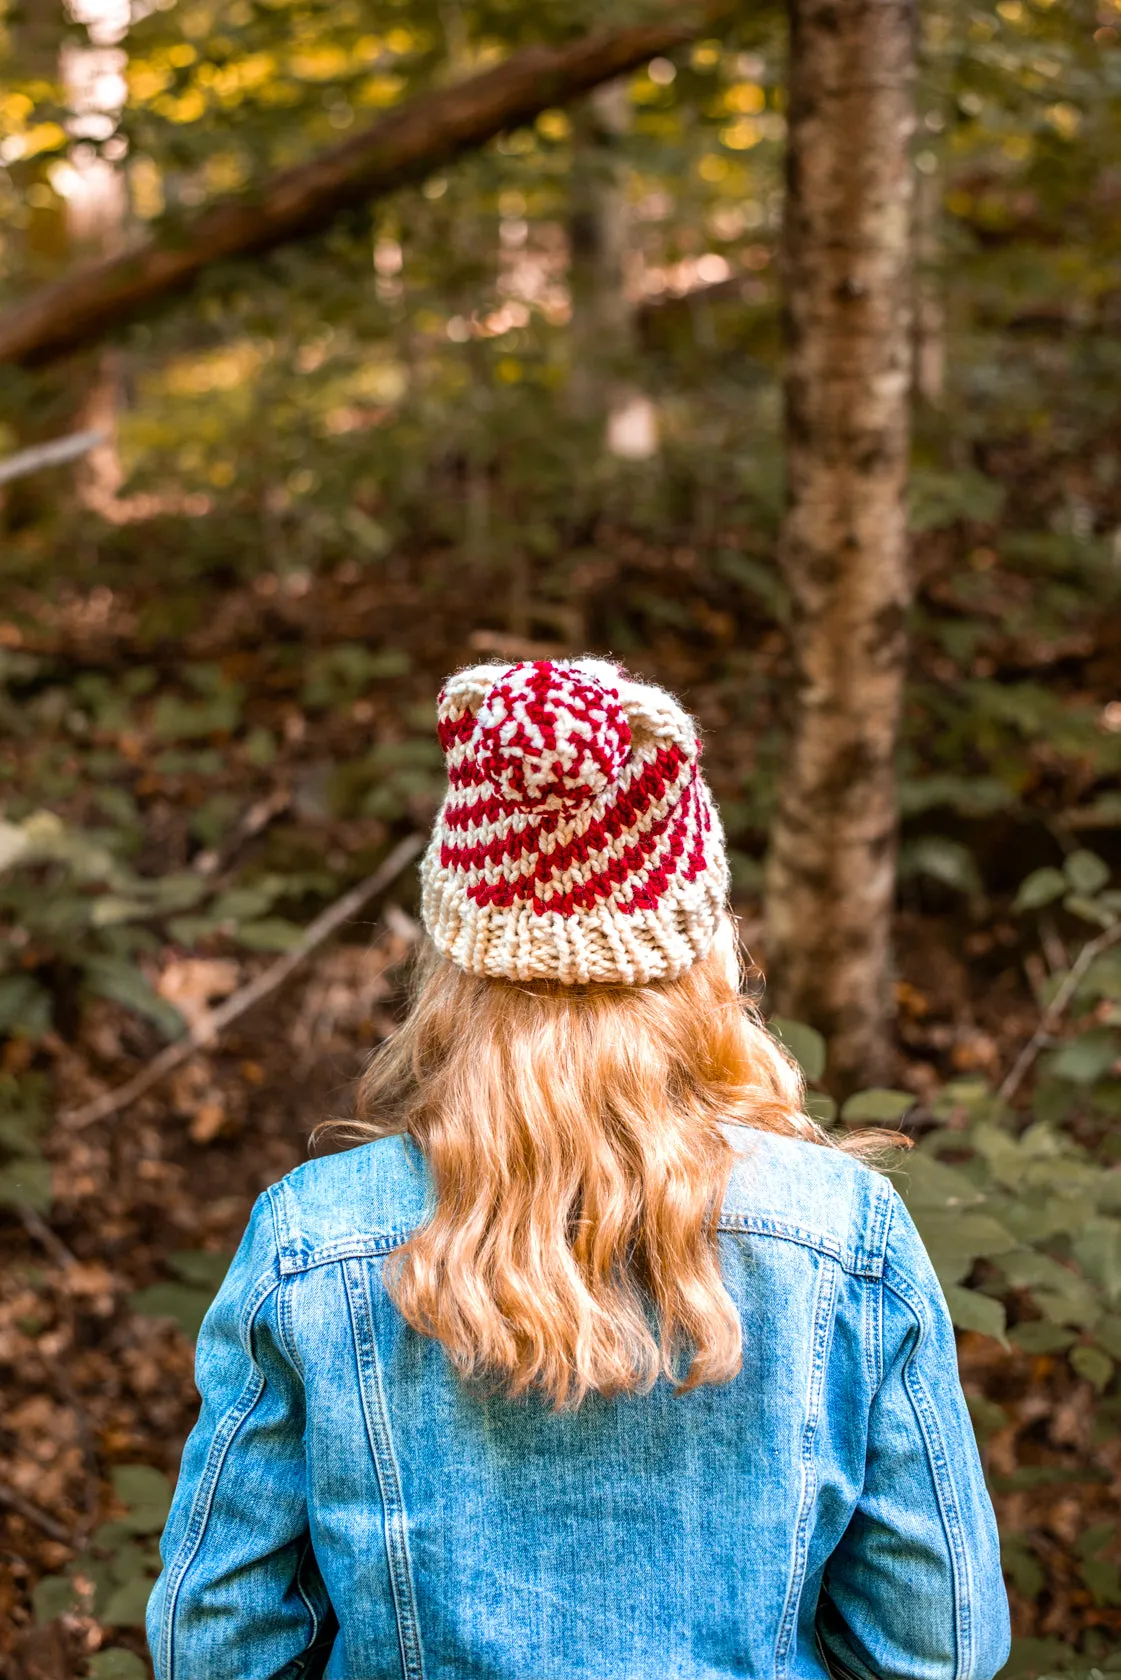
(599, 1359)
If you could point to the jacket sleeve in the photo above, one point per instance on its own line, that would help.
(914, 1590)
(240, 1594)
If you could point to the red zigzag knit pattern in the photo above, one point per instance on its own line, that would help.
(578, 840)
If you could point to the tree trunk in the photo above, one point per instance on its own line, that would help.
(601, 327)
(97, 211)
(409, 143)
(51, 406)
(831, 869)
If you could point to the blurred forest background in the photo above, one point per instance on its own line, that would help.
(528, 402)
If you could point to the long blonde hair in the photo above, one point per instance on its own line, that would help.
(574, 1139)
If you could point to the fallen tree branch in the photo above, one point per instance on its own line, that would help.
(49, 1239)
(407, 144)
(32, 1514)
(217, 1020)
(53, 454)
(216, 860)
(37, 1227)
(1051, 1016)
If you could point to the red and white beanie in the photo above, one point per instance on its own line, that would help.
(578, 840)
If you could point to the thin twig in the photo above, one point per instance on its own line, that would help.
(36, 1226)
(1052, 1014)
(217, 1020)
(50, 1240)
(24, 1508)
(1053, 948)
(256, 818)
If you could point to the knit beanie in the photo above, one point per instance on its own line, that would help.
(578, 840)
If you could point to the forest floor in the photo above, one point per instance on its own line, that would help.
(91, 1382)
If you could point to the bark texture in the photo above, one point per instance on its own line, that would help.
(601, 329)
(422, 135)
(843, 550)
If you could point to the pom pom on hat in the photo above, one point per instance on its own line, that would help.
(550, 734)
(578, 841)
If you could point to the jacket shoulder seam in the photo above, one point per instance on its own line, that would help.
(301, 1255)
(860, 1262)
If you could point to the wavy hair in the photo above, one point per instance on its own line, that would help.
(574, 1137)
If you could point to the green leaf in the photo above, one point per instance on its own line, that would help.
(940, 498)
(1037, 1335)
(971, 1311)
(183, 1302)
(821, 1107)
(1089, 910)
(1042, 886)
(1097, 1248)
(1021, 1565)
(52, 1597)
(1049, 1475)
(1062, 1295)
(1042, 1657)
(112, 910)
(1107, 1333)
(988, 1418)
(972, 796)
(1103, 977)
(199, 1266)
(942, 860)
(1092, 1364)
(260, 747)
(1095, 1539)
(925, 1182)
(1103, 1577)
(122, 982)
(25, 1006)
(1086, 872)
(113, 1662)
(804, 1043)
(1087, 1057)
(877, 1104)
(193, 720)
(953, 1235)
(26, 1183)
(126, 1606)
(970, 1094)
(146, 1493)
(269, 933)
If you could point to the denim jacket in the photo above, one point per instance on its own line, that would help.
(348, 1506)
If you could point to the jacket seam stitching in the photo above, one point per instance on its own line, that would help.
(285, 1326)
(871, 1318)
(866, 1261)
(941, 1475)
(826, 1294)
(385, 1464)
(882, 1209)
(316, 1621)
(293, 1260)
(859, 1264)
(277, 1199)
(888, 1210)
(224, 1436)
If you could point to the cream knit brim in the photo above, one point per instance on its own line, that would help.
(602, 945)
